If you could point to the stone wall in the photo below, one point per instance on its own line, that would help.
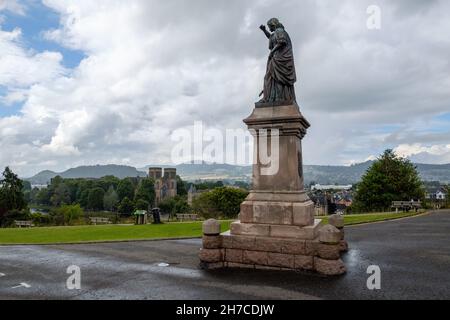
(322, 254)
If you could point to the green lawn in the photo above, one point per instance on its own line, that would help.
(372, 217)
(81, 234)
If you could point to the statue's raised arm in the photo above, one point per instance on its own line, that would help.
(264, 29)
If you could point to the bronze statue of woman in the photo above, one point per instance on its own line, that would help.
(280, 75)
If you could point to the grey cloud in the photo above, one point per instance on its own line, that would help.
(209, 62)
(411, 137)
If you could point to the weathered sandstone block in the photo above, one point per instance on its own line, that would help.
(234, 255)
(281, 260)
(309, 232)
(329, 234)
(250, 229)
(337, 221)
(343, 246)
(329, 267)
(329, 251)
(303, 214)
(304, 262)
(211, 227)
(211, 255)
(212, 242)
(243, 242)
(255, 257)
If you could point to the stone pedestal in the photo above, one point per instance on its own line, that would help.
(276, 227)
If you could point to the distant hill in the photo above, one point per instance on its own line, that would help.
(42, 178)
(341, 175)
(353, 174)
(435, 172)
(94, 172)
(318, 174)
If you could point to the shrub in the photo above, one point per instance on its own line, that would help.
(223, 202)
(66, 215)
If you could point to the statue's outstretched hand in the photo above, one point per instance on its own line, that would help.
(263, 27)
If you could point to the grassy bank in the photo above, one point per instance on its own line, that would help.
(373, 217)
(81, 234)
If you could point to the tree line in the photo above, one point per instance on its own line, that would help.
(69, 200)
(108, 193)
(390, 178)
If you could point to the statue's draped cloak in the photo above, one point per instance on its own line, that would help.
(280, 76)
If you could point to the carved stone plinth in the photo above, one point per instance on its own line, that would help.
(276, 227)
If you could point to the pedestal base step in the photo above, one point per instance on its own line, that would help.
(276, 231)
(322, 266)
(267, 253)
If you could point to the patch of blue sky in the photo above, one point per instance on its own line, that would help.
(439, 124)
(37, 20)
(386, 128)
(444, 117)
(10, 109)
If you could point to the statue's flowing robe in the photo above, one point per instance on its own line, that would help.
(280, 76)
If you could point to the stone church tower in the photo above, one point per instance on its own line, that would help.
(165, 183)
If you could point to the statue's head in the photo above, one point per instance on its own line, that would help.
(274, 24)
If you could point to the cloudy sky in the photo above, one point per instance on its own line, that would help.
(87, 82)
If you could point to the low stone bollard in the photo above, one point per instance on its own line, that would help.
(329, 235)
(338, 222)
(211, 255)
(211, 227)
(328, 260)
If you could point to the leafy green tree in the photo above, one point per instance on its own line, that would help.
(111, 199)
(182, 187)
(11, 193)
(146, 191)
(95, 199)
(73, 187)
(84, 198)
(84, 185)
(208, 185)
(125, 189)
(205, 206)
(66, 214)
(54, 183)
(222, 202)
(26, 185)
(61, 195)
(106, 182)
(126, 206)
(390, 178)
(228, 200)
(141, 204)
(242, 184)
(33, 195)
(27, 196)
(175, 205)
(7, 220)
(43, 197)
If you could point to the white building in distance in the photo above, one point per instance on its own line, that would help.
(320, 187)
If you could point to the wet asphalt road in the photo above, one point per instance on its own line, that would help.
(413, 254)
